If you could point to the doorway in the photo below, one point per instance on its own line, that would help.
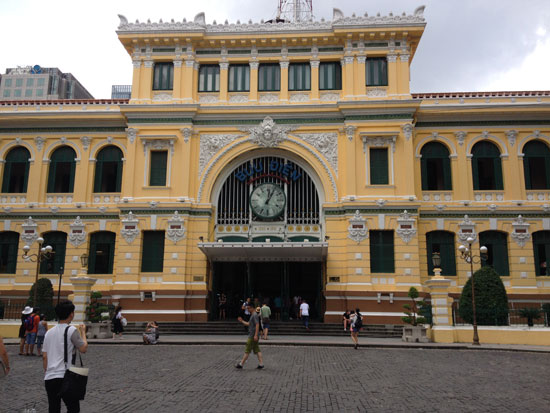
(280, 284)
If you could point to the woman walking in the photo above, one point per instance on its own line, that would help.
(41, 332)
(118, 323)
(356, 325)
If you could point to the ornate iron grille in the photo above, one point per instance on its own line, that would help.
(302, 200)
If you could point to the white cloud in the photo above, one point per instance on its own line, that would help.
(528, 73)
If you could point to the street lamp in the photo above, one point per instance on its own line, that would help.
(84, 262)
(42, 254)
(436, 261)
(59, 288)
(467, 256)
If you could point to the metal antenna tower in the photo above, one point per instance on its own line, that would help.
(295, 10)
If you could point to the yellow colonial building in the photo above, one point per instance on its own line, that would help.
(276, 159)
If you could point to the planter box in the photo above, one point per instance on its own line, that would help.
(99, 330)
(415, 334)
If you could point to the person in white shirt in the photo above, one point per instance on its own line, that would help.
(53, 353)
(304, 314)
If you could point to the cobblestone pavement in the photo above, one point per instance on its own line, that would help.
(133, 378)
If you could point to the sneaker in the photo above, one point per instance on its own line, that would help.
(260, 366)
(238, 366)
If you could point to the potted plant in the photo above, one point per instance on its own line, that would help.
(530, 313)
(415, 331)
(97, 314)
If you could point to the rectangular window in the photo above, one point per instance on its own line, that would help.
(330, 76)
(163, 77)
(30, 82)
(7, 83)
(28, 93)
(157, 176)
(40, 81)
(18, 82)
(152, 251)
(381, 252)
(17, 93)
(39, 92)
(7, 93)
(209, 78)
(378, 158)
(239, 78)
(269, 77)
(299, 76)
(377, 71)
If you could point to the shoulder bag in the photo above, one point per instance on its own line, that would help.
(75, 379)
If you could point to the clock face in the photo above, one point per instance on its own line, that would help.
(268, 200)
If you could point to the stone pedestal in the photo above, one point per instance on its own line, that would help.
(82, 287)
(442, 311)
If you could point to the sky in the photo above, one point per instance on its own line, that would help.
(468, 45)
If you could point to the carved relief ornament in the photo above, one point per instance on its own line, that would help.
(268, 134)
(30, 233)
(521, 231)
(175, 231)
(130, 228)
(77, 236)
(357, 229)
(406, 229)
(467, 229)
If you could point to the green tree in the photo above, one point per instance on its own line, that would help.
(96, 308)
(44, 297)
(414, 309)
(531, 314)
(491, 299)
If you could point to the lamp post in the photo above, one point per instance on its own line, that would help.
(84, 262)
(42, 254)
(59, 288)
(467, 256)
(436, 261)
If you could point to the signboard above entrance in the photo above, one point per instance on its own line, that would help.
(276, 167)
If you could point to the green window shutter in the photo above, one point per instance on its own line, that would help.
(541, 252)
(98, 178)
(62, 170)
(497, 164)
(16, 171)
(475, 174)
(101, 253)
(58, 241)
(108, 170)
(269, 77)
(152, 252)
(9, 241)
(51, 176)
(442, 242)
(376, 72)
(381, 252)
(330, 76)
(447, 177)
(163, 76)
(497, 246)
(424, 173)
(526, 172)
(378, 166)
(157, 175)
(239, 78)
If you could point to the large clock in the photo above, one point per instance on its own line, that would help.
(268, 201)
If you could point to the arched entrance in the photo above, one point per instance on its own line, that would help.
(269, 236)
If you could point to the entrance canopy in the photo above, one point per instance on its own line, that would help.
(264, 251)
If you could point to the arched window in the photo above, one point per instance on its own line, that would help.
(536, 165)
(444, 243)
(16, 171)
(102, 252)
(541, 250)
(62, 170)
(58, 241)
(486, 166)
(108, 170)
(436, 167)
(497, 250)
(9, 241)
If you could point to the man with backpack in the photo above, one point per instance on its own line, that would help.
(31, 328)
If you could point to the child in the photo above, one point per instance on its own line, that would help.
(41, 332)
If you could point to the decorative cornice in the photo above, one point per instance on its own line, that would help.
(339, 21)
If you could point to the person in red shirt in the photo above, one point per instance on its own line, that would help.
(30, 335)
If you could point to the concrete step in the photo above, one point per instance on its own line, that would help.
(276, 328)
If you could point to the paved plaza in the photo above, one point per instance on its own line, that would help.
(177, 378)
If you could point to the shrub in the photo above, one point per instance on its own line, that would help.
(44, 297)
(491, 299)
(530, 313)
(412, 310)
(95, 309)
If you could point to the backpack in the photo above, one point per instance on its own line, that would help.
(358, 321)
(29, 323)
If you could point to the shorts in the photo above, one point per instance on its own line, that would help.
(39, 341)
(355, 329)
(265, 325)
(252, 345)
(30, 338)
